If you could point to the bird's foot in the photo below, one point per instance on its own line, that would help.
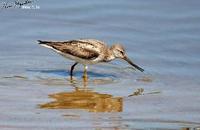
(85, 76)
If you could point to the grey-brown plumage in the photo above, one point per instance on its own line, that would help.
(74, 48)
(88, 51)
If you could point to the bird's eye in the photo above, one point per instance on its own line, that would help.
(121, 52)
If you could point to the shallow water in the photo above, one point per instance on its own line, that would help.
(160, 36)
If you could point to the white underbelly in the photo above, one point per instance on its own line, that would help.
(79, 60)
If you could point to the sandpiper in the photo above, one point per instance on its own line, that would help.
(88, 51)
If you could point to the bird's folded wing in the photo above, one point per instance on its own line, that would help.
(75, 48)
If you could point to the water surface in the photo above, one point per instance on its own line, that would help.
(160, 36)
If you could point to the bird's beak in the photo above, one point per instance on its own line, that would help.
(134, 65)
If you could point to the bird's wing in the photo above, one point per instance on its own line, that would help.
(80, 48)
(94, 42)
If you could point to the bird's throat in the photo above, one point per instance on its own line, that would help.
(109, 56)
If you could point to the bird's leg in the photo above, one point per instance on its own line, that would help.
(85, 72)
(85, 82)
(72, 68)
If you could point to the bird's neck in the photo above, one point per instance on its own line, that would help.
(109, 56)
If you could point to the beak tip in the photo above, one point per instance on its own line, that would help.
(142, 70)
(130, 62)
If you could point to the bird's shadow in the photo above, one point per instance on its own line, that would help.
(64, 73)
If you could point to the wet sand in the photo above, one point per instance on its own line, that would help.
(45, 102)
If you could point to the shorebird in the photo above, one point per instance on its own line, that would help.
(88, 51)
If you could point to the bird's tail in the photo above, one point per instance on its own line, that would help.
(47, 44)
(43, 42)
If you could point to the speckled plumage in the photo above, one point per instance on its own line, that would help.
(88, 51)
(85, 51)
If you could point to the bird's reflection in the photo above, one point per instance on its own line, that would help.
(86, 99)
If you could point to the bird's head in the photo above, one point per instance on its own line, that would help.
(119, 52)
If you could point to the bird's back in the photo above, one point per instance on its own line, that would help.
(90, 44)
(82, 48)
